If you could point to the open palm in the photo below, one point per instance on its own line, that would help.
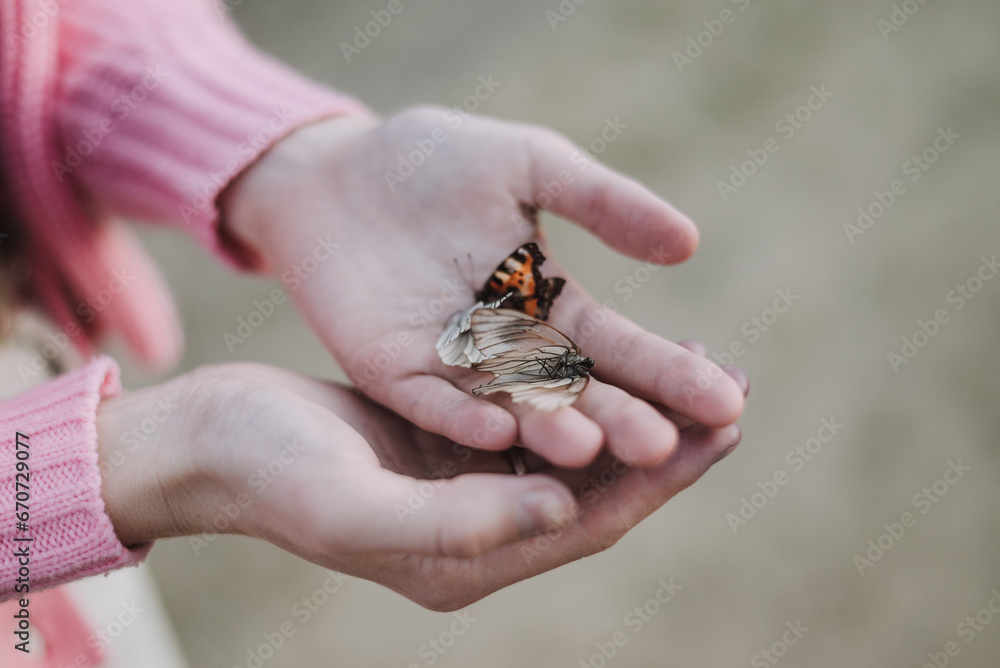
(380, 299)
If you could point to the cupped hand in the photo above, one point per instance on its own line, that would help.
(364, 221)
(337, 479)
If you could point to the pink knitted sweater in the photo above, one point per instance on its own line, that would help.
(140, 108)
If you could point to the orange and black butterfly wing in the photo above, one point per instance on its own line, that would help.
(545, 295)
(519, 274)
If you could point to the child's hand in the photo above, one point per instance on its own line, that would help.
(380, 299)
(338, 480)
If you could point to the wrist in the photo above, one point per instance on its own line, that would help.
(154, 477)
(276, 187)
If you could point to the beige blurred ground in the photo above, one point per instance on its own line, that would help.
(825, 357)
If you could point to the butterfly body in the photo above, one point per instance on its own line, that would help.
(517, 284)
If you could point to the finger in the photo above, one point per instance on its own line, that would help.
(703, 448)
(437, 406)
(462, 517)
(429, 402)
(621, 212)
(682, 421)
(733, 371)
(697, 347)
(565, 437)
(634, 431)
(740, 376)
(639, 492)
(600, 524)
(648, 366)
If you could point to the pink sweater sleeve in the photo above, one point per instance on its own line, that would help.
(161, 103)
(138, 108)
(68, 534)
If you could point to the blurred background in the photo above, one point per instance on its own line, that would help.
(839, 98)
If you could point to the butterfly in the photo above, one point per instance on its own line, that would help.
(520, 276)
(516, 283)
(533, 362)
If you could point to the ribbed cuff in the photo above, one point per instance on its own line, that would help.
(171, 104)
(70, 534)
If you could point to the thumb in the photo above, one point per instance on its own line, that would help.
(459, 517)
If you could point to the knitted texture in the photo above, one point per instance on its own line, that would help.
(72, 536)
(143, 108)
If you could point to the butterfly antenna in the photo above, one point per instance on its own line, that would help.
(466, 278)
(472, 270)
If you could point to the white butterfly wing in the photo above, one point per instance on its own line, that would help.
(533, 361)
(502, 330)
(520, 352)
(546, 395)
(456, 346)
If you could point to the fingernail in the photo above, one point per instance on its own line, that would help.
(725, 453)
(542, 509)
